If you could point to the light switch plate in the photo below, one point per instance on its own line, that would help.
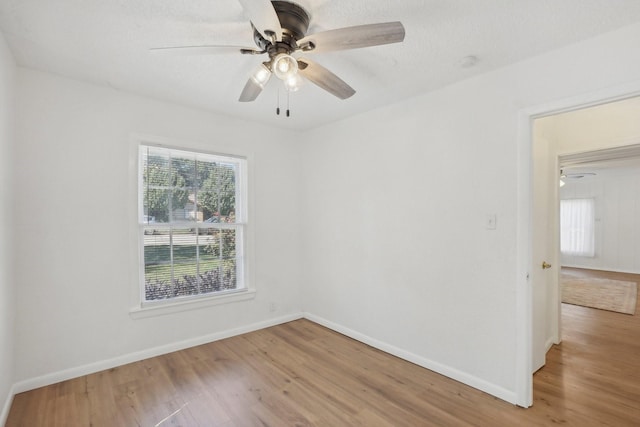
(491, 222)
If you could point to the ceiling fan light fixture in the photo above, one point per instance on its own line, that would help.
(279, 30)
(284, 66)
(261, 75)
(293, 83)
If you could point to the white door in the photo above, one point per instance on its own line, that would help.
(541, 269)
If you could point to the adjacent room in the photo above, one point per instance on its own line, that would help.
(600, 234)
(588, 210)
(244, 212)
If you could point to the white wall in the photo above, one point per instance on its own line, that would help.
(617, 228)
(73, 225)
(397, 199)
(7, 301)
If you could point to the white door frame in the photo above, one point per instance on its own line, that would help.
(524, 228)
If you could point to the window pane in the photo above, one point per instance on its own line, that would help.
(209, 249)
(217, 259)
(183, 188)
(209, 242)
(185, 266)
(228, 238)
(157, 267)
(228, 272)
(208, 202)
(182, 209)
(217, 192)
(156, 164)
(156, 172)
(225, 176)
(156, 204)
(185, 167)
(207, 198)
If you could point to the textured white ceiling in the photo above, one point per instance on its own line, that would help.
(107, 41)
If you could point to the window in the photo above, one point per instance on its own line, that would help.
(577, 227)
(192, 220)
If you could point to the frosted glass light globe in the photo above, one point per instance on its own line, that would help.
(261, 75)
(285, 66)
(293, 83)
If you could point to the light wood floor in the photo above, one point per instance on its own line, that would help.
(301, 374)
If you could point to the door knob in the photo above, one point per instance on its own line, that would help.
(545, 265)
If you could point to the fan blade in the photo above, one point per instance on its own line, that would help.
(250, 92)
(264, 17)
(203, 50)
(324, 78)
(353, 37)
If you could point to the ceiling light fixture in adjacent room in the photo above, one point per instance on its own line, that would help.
(564, 176)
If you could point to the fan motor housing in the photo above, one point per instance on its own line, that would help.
(293, 18)
(294, 21)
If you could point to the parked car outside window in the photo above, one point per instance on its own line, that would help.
(149, 219)
(213, 219)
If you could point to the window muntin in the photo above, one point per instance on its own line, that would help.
(191, 222)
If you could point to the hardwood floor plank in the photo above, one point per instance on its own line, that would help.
(302, 374)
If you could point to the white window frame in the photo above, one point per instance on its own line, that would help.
(143, 308)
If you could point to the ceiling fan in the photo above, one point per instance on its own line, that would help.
(279, 30)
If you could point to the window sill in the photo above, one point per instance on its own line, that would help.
(170, 307)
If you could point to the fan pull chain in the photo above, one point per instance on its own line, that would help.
(278, 104)
(288, 103)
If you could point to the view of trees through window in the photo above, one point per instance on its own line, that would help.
(192, 239)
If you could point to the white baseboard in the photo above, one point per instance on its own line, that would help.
(67, 374)
(600, 268)
(7, 405)
(56, 377)
(550, 342)
(463, 377)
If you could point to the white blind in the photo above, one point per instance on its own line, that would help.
(577, 227)
(191, 223)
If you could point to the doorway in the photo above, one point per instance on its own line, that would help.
(585, 144)
(547, 305)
